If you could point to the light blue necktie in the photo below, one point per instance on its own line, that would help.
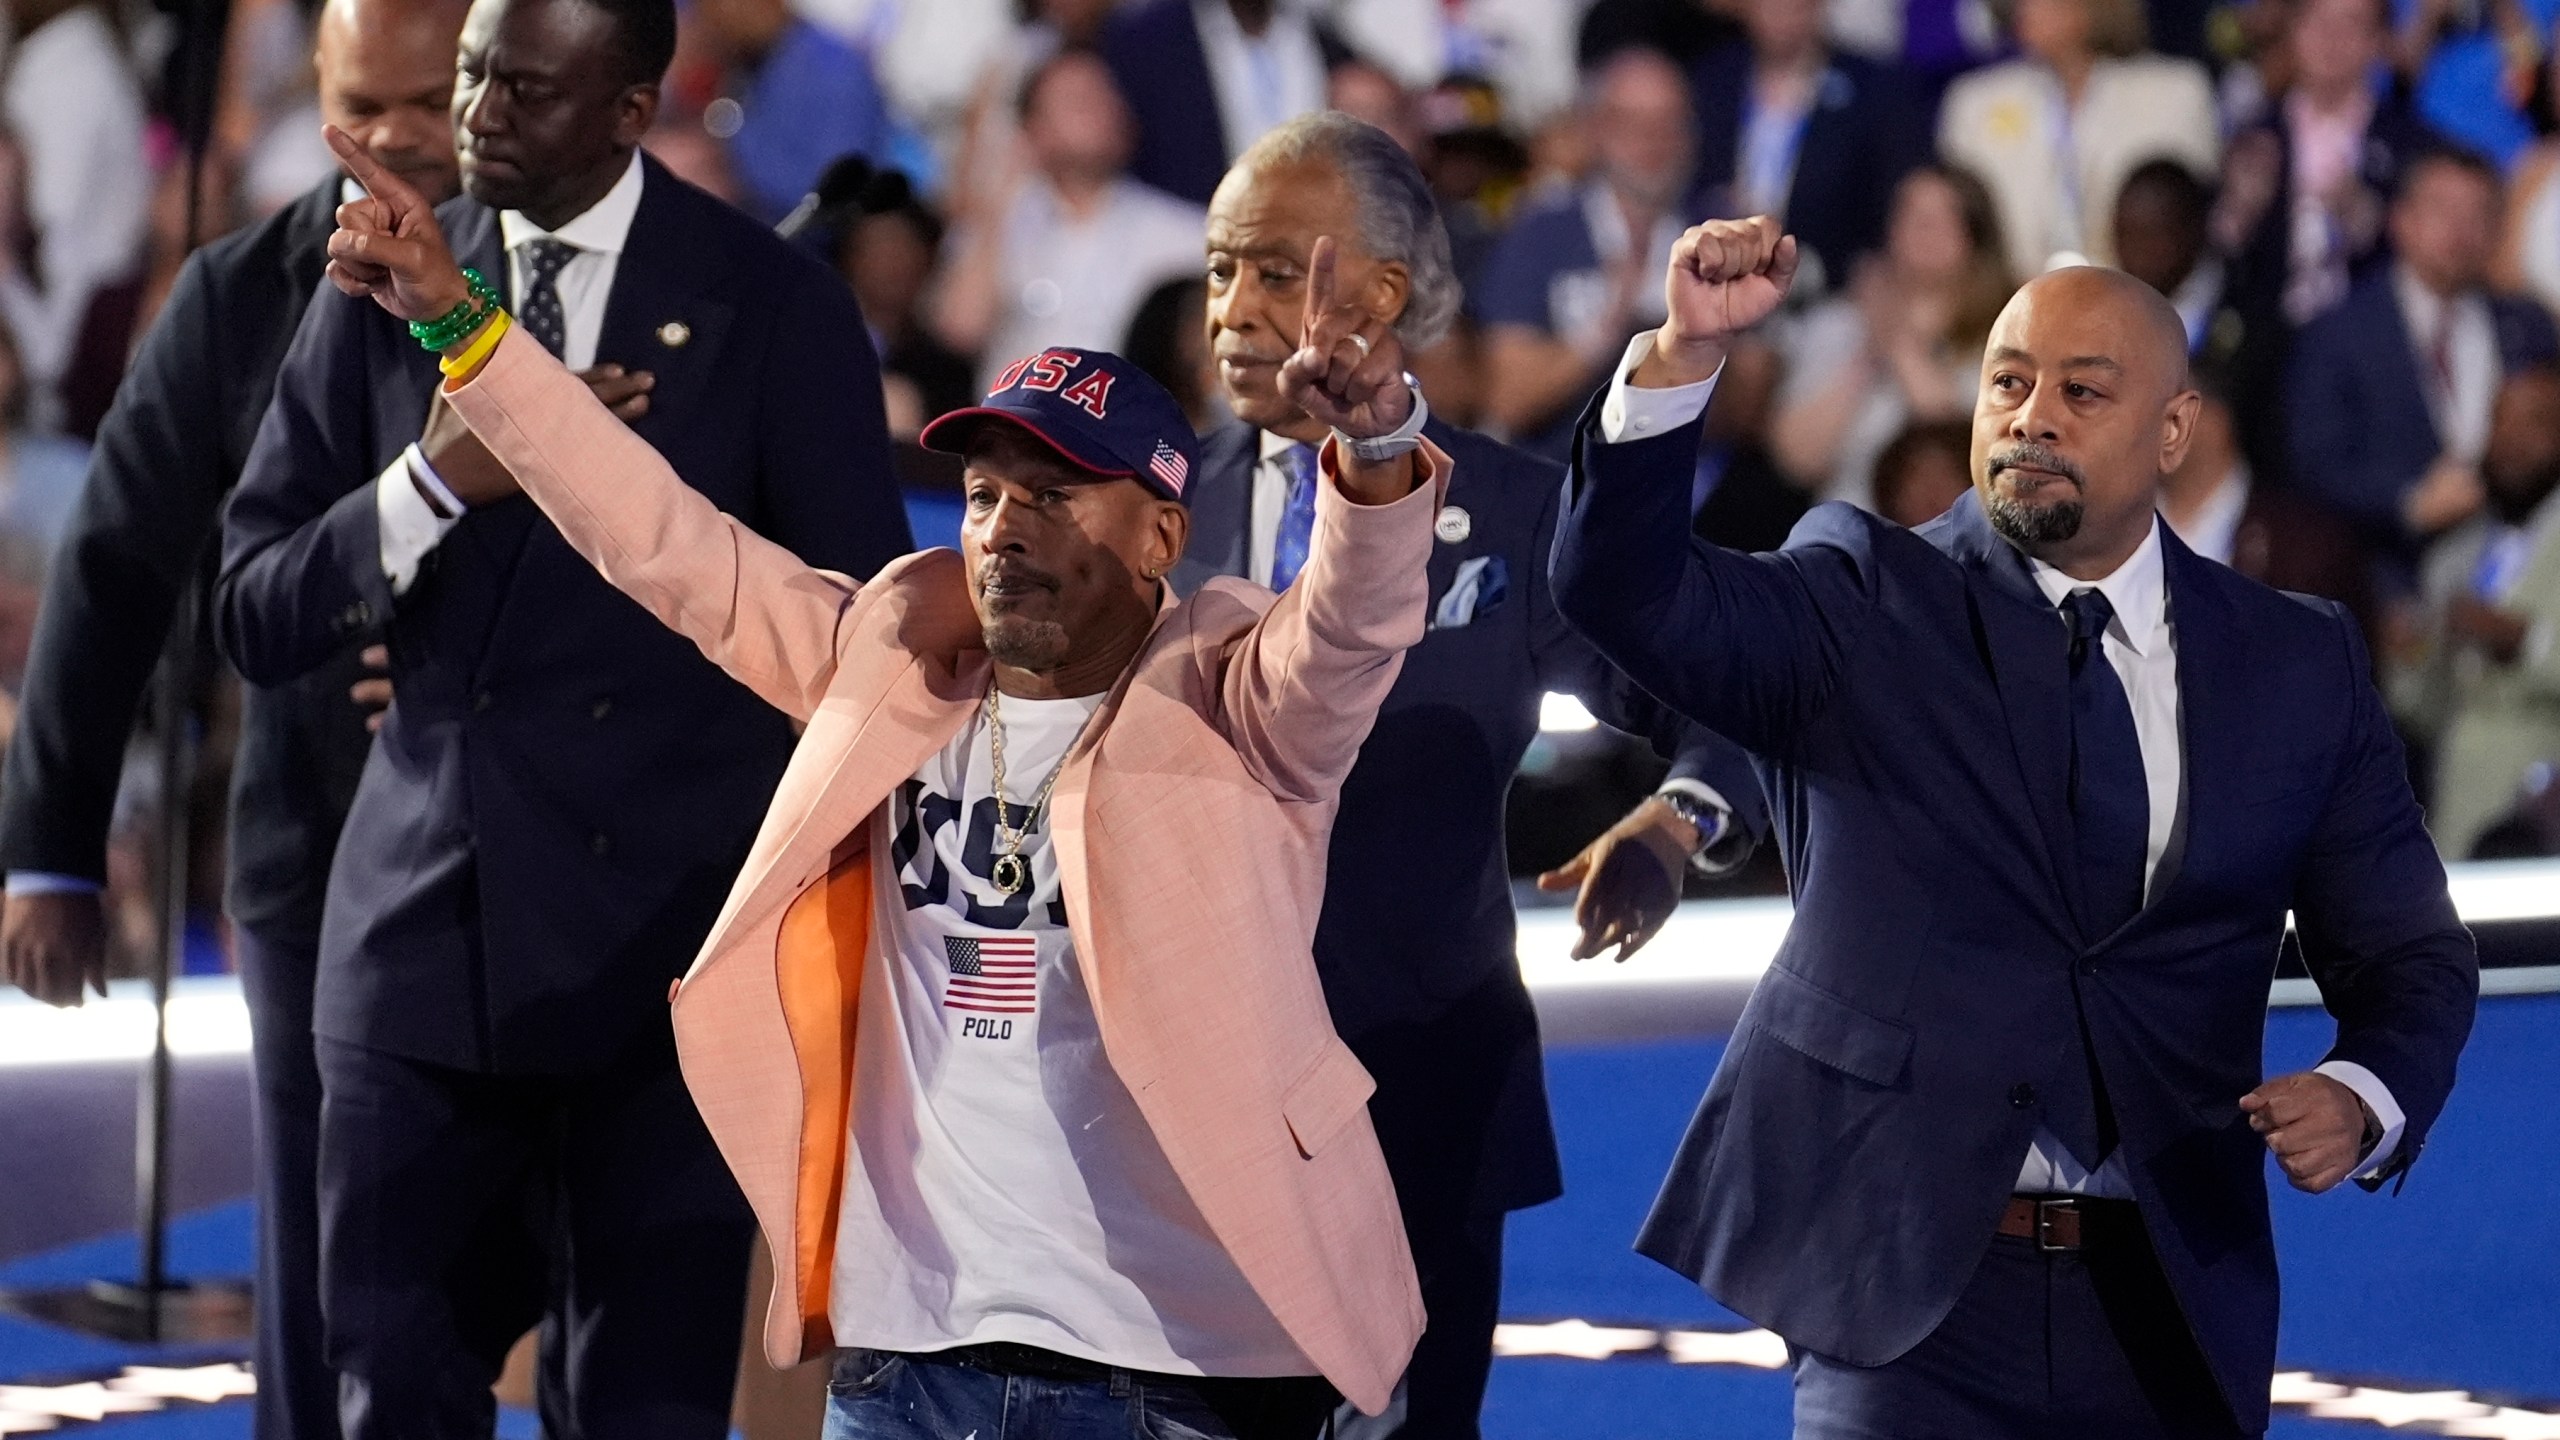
(1298, 520)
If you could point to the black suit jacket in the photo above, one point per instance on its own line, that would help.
(2361, 433)
(1866, 131)
(2263, 347)
(564, 788)
(1416, 943)
(168, 452)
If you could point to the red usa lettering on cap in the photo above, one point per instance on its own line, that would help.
(1048, 372)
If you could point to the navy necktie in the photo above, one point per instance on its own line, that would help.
(2110, 798)
(1298, 519)
(540, 302)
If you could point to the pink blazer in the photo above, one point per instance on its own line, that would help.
(1191, 824)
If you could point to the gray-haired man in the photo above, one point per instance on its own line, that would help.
(1415, 943)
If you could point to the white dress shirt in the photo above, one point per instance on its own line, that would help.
(1270, 506)
(409, 527)
(2461, 398)
(2213, 530)
(1260, 80)
(2142, 644)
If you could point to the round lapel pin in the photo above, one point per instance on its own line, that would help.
(674, 333)
(1454, 525)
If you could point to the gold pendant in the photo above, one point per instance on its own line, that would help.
(1011, 874)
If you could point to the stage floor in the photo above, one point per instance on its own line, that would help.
(2431, 1312)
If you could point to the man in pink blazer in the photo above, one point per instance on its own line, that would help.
(1010, 1028)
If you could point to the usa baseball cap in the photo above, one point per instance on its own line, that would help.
(1098, 411)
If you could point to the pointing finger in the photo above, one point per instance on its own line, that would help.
(359, 165)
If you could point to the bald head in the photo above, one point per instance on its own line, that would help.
(2085, 406)
(2100, 301)
(386, 78)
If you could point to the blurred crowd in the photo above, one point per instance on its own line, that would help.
(2355, 204)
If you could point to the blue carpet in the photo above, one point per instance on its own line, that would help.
(2448, 1284)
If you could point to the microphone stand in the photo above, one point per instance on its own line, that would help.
(153, 1307)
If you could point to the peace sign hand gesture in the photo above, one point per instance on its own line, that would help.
(388, 244)
(1348, 371)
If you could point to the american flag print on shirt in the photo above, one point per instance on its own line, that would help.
(993, 974)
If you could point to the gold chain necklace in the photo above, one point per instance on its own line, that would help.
(1011, 871)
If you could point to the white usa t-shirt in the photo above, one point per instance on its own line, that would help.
(1001, 1184)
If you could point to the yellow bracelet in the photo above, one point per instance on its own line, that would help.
(460, 367)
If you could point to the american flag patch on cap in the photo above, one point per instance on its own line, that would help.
(1168, 466)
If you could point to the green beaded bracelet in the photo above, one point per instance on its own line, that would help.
(442, 332)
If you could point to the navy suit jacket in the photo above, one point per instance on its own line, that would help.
(1416, 943)
(167, 454)
(2358, 423)
(1866, 131)
(564, 789)
(1154, 51)
(1907, 696)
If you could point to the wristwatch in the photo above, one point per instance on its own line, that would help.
(1713, 823)
(1403, 440)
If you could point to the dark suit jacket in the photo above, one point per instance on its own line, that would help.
(564, 788)
(2289, 542)
(1154, 51)
(1907, 695)
(1867, 130)
(2360, 431)
(168, 452)
(2258, 273)
(1416, 944)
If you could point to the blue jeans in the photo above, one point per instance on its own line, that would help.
(885, 1395)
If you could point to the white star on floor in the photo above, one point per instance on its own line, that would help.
(204, 1384)
(86, 1401)
(1576, 1339)
(2296, 1387)
(1758, 1349)
(2392, 1409)
(2509, 1424)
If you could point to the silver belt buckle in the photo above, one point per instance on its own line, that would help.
(2045, 1211)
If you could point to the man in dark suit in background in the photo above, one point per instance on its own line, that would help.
(168, 452)
(1989, 1146)
(1170, 57)
(1788, 127)
(2218, 504)
(2388, 396)
(1416, 946)
(563, 789)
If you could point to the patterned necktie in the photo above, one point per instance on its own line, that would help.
(1298, 519)
(2110, 798)
(539, 305)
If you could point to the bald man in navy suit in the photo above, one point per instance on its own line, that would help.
(1989, 1145)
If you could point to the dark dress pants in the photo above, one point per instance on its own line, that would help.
(425, 1174)
(2086, 1344)
(1441, 1395)
(297, 1391)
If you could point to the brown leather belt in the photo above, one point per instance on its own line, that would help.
(2060, 1222)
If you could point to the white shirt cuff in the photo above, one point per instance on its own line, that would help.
(2377, 1098)
(1705, 794)
(409, 527)
(45, 882)
(1631, 413)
